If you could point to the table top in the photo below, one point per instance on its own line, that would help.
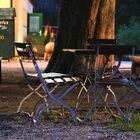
(80, 51)
(106, 50)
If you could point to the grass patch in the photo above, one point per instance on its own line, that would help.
(17, 118)
(121, 124)
(136, 124)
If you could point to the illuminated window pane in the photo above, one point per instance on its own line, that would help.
(5, 3)
(34, 24)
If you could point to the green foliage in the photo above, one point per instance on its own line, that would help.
(42, 119)
(125, 9)
(36, 39)
(120, 123)
(18, 119)
(54, 118)
(136, 124)
(129, 35)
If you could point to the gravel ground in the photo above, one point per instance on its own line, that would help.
(12, 73)
(23, 129)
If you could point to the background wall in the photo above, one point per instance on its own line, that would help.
(23, 7)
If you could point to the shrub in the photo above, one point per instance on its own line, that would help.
(129, 35)
(36, 39)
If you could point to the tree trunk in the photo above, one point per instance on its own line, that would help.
(71, 33)
(79, 20)
(106, 26)
(102, 24)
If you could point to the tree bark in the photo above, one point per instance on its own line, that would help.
(79, 20)
(71, 33)
(102, 24)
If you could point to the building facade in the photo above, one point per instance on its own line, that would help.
(22, 8)
(19, 28)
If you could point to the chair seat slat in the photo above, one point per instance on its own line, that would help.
(49, 81)
(48, 75)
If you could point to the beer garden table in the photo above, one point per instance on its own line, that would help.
(117, 50)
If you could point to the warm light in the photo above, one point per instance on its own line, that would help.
(5, 3)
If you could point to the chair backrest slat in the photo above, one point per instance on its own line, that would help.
(22, 49)
(94, 41)
(24, 54)
(116, 49)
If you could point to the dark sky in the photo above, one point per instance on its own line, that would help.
(49, 8)
(45, 5)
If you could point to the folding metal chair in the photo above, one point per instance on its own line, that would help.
(32, 85)
(106, 79)
(66, 83)
(89, 68)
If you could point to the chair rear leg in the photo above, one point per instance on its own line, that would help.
(82, 88)
(93, 106)
(22, 101)
(113, 96)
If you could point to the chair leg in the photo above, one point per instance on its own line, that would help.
(93, 107)
(42, 108)
(46, 101)
(33, 91)
(82, 88)
(106, 104)
(26, 97)
(115, 102)
(36, 90)
(137, 89)
(89, 91)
